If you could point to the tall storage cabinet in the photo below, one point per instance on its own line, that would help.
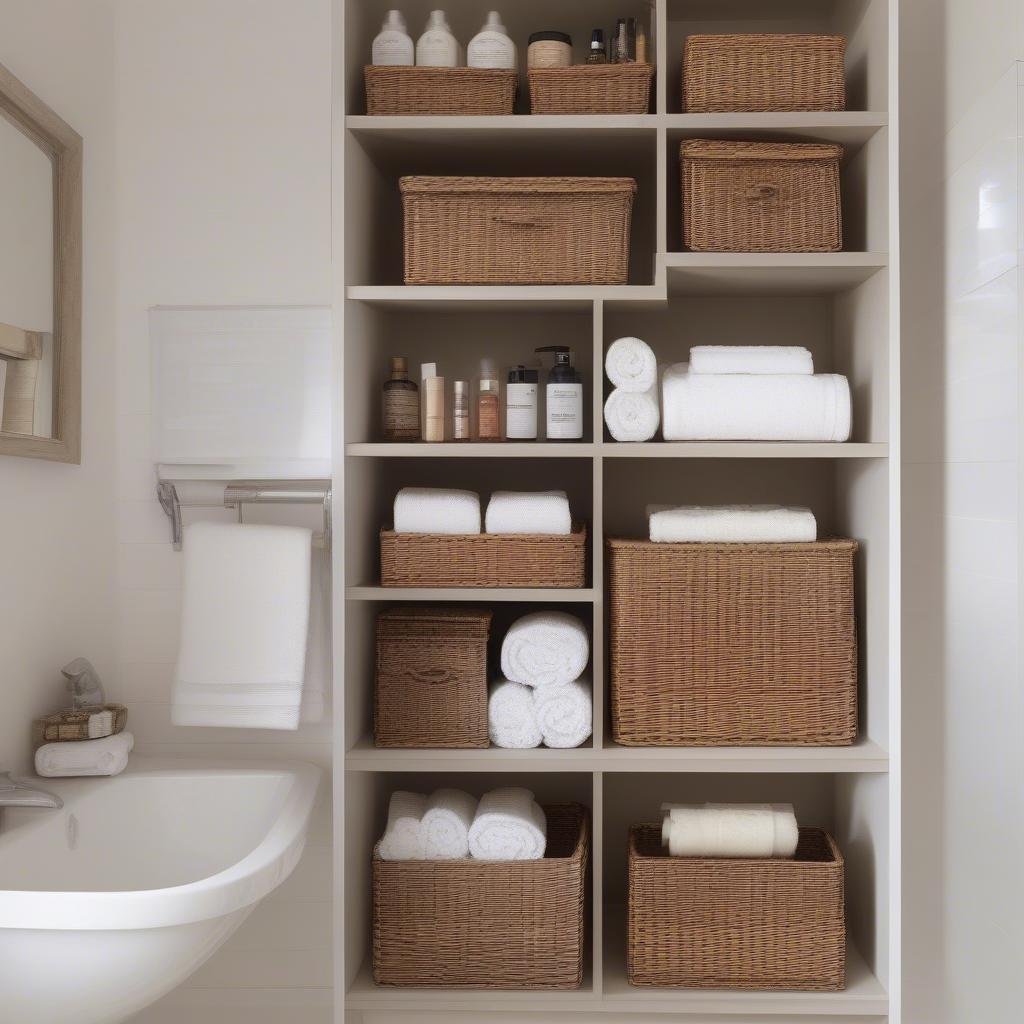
(844, 306)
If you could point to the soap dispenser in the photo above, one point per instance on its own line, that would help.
(564, 397)
(437, 47)
(491, 47)
(393, 47)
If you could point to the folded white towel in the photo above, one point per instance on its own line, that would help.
(730, 830)
(403, 835)
(632, 415)
(509, 825)
(736, 524)
(631, 365)
(107, 756)
(754, 407)
(545, 512)
(316, 684)
(511, 716)
(545, 648)
(244, 626)
(565, 713)
(436, 510)
(446, 823)
(750, 359)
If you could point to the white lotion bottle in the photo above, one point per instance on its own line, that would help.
(394, 47)
(491, 47)
(437, 47)
(521, 405)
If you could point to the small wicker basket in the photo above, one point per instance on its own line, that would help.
(591, 89)
(411, 91)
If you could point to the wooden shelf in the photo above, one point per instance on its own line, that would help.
(781, 273)
(744, 450)
(473, 450)
(498, 297)
(484, 595)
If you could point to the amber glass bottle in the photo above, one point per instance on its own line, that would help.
(401, 404)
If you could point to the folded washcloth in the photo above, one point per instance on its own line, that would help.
(631, 365)
(511, 716)
(564, 713)
(730, 830)
(316, 682)
(754, 407)
(750, 359)
(445, 824)
(244, 626)
(509, 825)
(737, 524)
(632, 415)
(403, 835)
(436, 510)
(107, 756)
(545, 648)
(542, 512)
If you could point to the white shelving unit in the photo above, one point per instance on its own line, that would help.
(844, 306)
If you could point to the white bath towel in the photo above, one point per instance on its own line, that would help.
(632, 415)
(750, 359)
(512, 717)
(631, 365)
(543, 512)
(565, 713)
(545, 648)
(403, 834)
(446, 822)
(436, 510)
(509, 825)
(754, 407)
(730, 830)
(244, 626)
(108, 756)
(736, 524)
(316, 682)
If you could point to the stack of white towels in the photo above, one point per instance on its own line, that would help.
(541, 698)
(71, 759)
(729, 830)
(441, 510)
(505, 824)
(731, 524)
(631, 411)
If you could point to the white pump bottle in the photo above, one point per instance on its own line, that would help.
(393, 47)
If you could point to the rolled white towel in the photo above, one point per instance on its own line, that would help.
(509, 825)
(106, 756)
(732, 524)
(565, 713)
(541, 512)
(631, 365)
(403, 835)
(632, 415)
(730, 830)
(512, 717)
(446, 823)
(545, 648)
(436, 510)
(750, 359)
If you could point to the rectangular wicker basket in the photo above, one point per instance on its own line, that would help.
(763, 71)
(770, 924)
(486, 924)
(591, 89)
(430, 684)
(411, 91)
(732, 644)
(483, 560)
(517, 230)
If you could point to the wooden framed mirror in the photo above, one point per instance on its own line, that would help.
(40, 278)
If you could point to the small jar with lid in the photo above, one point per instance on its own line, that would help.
(549, 50)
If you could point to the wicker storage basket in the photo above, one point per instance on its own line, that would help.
(763, 71)
(485, 924)
(698, 922)
(416, 91)
(72, 725)
(761, 196)
(517, 230)
(482, 560)
(591, 89)
(430, 686)
(732, 644)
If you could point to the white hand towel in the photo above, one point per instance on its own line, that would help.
(541, 512)
(446, 823)
(316, 685)
(730, 830)
(403, 835)
(754, 407)
(732, 524)
(509, 825)
(108, 756)
(750, 359)
(565, 713)
(436, 510)
(631, 365)
(511, 716)
(632, 415)
(244, 626)
(545, 648)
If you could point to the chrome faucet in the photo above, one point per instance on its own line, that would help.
(19, 794)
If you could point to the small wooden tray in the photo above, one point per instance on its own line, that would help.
(72, 724)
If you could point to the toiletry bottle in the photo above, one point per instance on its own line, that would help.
(624, 41)
(433, 403)
(564, 395)
(491, 47)
(460, 411)
(641, 43)
(597, 53)
(488, 424)
(437, 47)
(521, 405)
(394, 46)
(400, 404)
(549, 50)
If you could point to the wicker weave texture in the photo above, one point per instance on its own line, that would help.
(740, 923)
(761, 196)
(396, 91)
(482, 560)
(732, 644)
(430, 685)
(763, 71)
(486, 924)
(517, 230)
(591, 89)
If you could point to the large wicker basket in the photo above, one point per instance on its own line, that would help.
(394, 91)
(591, 89)
(698, 922)
(483, 560)
(517, 230)
(732, 644)
(763, 71)
(486, 924)
(761, 196)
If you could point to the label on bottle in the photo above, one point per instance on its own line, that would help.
(491, 50)
(437, 50)
(565, 412)
(521, 412)
(393, 49)
(401, 415)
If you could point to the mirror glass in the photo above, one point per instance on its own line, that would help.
(26, 284)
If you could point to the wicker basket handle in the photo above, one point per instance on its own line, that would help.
(430, 676)
(518, 222)
(766, 190)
